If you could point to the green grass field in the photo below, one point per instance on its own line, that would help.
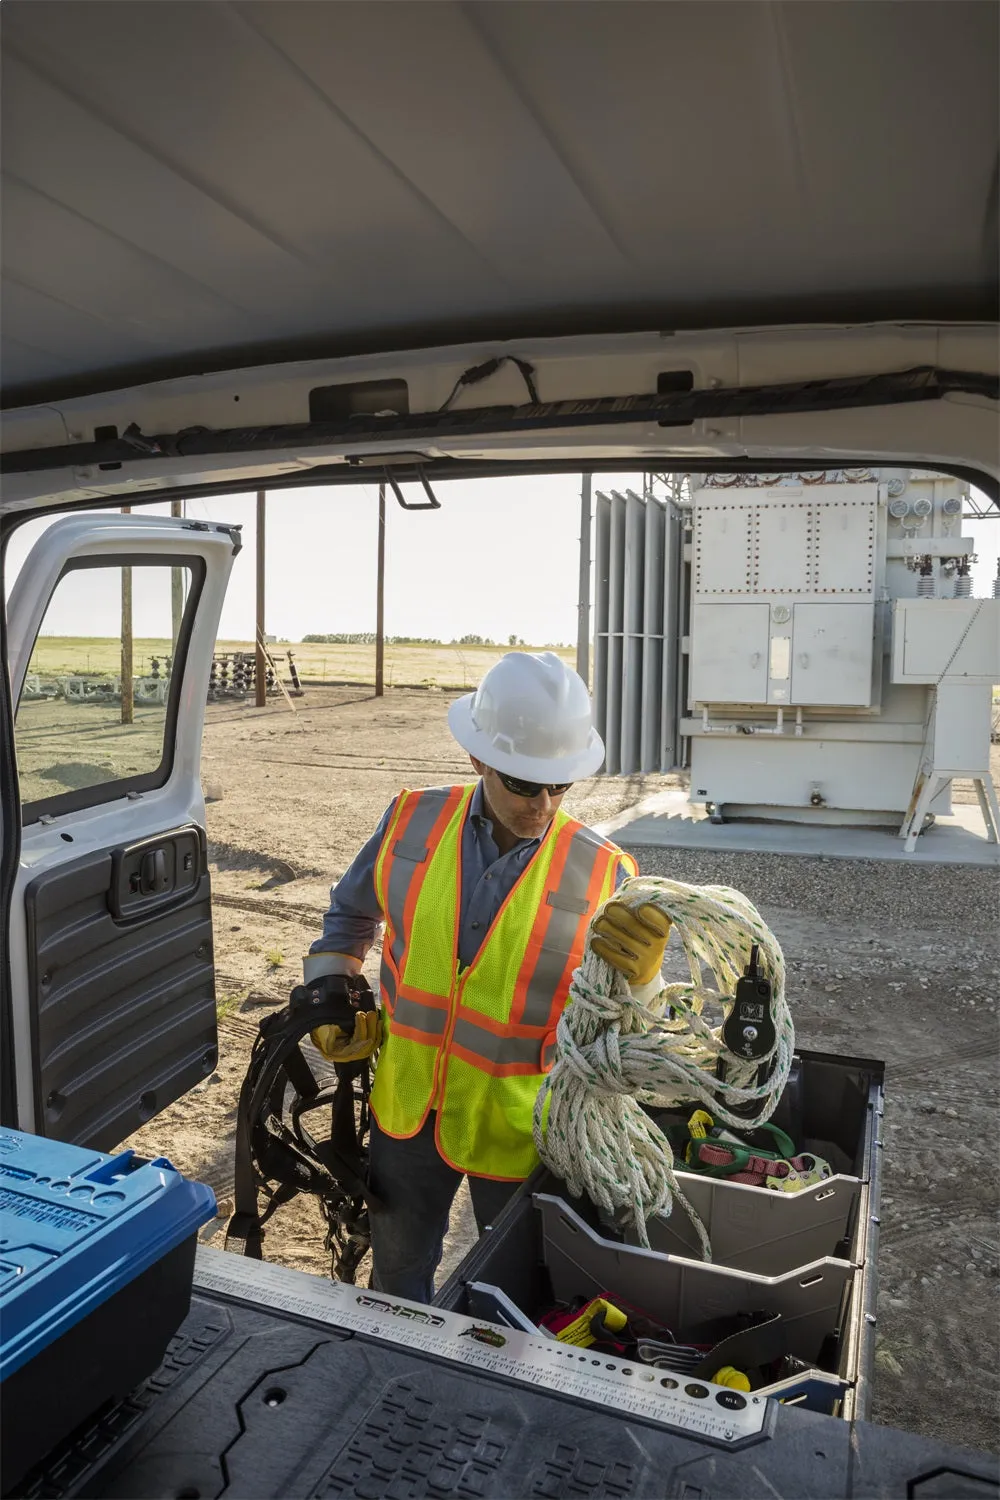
(405, 666)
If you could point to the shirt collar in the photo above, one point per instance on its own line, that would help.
(477, 806)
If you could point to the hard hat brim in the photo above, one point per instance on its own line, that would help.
(574, 767)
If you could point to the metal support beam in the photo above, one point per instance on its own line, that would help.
(261, 683)
(380, 599)
(583, 606)
(127, 693)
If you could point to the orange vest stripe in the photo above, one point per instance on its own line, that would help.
(425, 997)
(549, 964)
(401, 868)
(433, 835)
(540, 931)
(600, 877)
(392, 942)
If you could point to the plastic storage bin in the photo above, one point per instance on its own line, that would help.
(542, 1253)
(830, 1107)
(96, 1267)
(546, 1247)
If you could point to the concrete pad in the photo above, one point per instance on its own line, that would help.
(669, 821)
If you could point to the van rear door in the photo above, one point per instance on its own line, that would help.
(111, 629)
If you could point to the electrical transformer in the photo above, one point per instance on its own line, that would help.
(815, 640)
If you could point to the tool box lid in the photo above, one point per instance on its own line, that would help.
(77, 1225)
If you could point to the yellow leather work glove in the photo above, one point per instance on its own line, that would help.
(341, 1047)
(631, 941)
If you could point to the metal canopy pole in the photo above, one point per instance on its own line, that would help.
(261, 672)
(380, 599)
(602, 586)
(633, 574)
(176, 585)
(583, 606)
(127, 693)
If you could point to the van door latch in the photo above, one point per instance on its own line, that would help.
(153, 878)
(156, 873)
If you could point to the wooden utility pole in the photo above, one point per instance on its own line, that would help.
(583, 607)
(261, 572)
(380, 599)
(176, 586)
(127, 693)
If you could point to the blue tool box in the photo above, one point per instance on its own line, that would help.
(96, 1266)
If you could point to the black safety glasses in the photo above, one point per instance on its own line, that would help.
(533, 788)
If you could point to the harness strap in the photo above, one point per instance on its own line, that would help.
(266, 1150)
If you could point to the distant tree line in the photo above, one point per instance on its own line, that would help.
(367, 638)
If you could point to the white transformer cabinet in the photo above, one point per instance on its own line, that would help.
(812, 600)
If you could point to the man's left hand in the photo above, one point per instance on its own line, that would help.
(631, 940)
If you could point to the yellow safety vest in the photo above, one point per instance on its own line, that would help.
(474, 1044)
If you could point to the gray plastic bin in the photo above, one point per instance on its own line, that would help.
(757, 1229)
(685, 1293)
(831, 1107)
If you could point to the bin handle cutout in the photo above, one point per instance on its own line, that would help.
(811, 1281)
(827, 1193)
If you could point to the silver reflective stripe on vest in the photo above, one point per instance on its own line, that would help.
(409, 853)
(568, 902)
(499, 1050)
(426, 1018)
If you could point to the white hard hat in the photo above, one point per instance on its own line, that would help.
(531, 717)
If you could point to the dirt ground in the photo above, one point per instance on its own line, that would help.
(917, 984)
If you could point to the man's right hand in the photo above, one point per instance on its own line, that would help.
(359, 1032)
(341, 1046)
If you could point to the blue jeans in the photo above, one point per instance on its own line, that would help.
(417, 1188)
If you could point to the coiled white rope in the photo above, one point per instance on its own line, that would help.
(614, 1054)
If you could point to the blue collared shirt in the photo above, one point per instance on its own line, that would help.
(354, 916)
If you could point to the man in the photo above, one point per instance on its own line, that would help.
(486, 893)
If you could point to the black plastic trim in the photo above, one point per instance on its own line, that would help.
(922, 383)
(358, 471)
(113, 791)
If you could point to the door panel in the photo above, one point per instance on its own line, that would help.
(729, 653)
(123, 1007)
(832, 647)
(112, 977)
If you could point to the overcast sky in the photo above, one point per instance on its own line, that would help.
(500, 557)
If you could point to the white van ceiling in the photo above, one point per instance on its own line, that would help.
(210, 183)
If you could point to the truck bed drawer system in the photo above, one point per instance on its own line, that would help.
(284, 1384)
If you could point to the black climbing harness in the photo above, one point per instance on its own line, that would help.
(277, 1155)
